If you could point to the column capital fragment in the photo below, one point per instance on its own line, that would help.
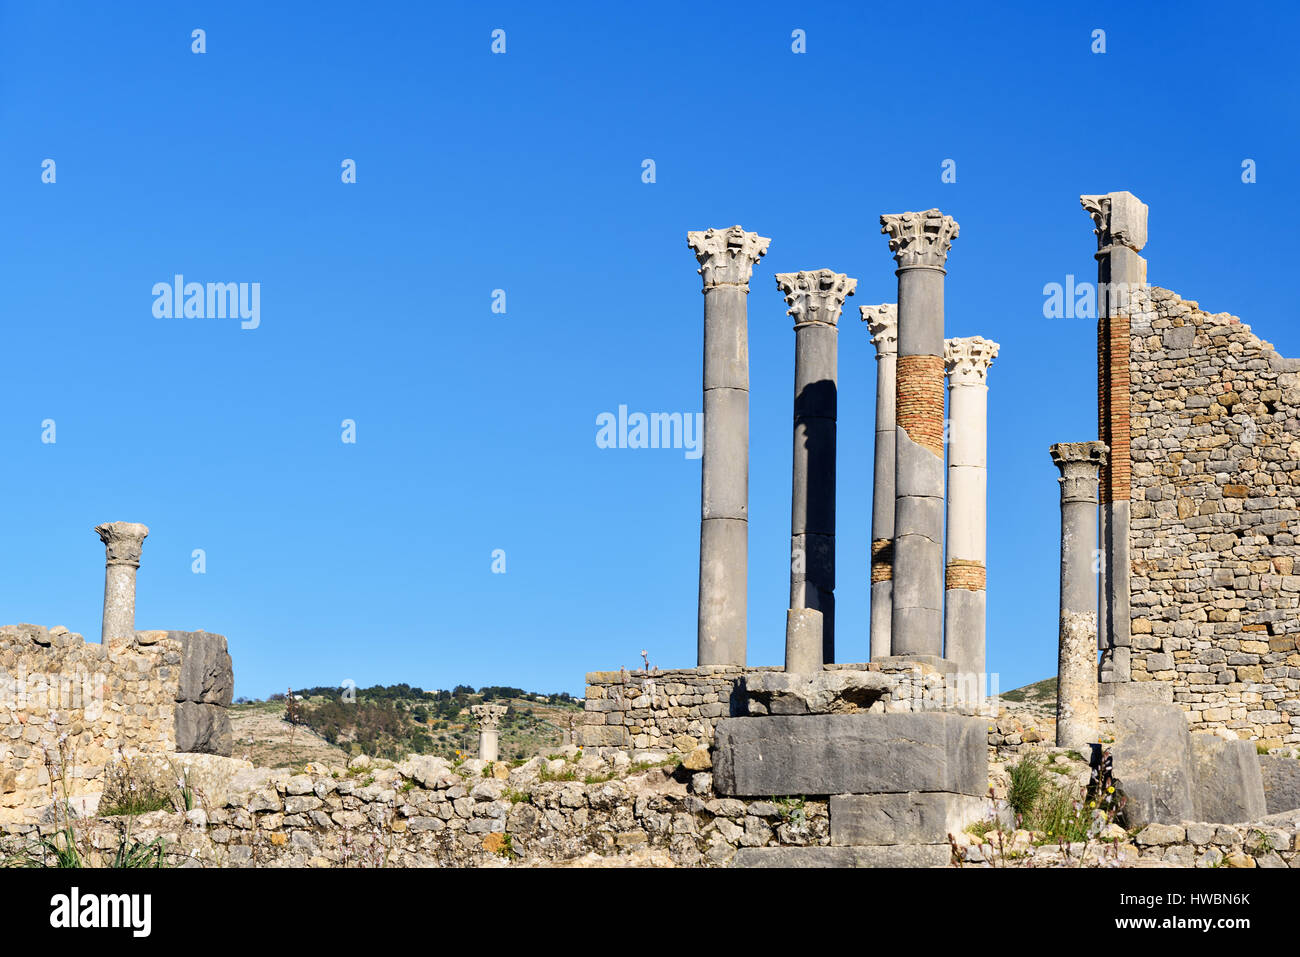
(1120, 218)
(123, 541)
(727, 256)
(919, 239)
(1079, 462)
(815, 295)
(882, 323)
(488, 715)
(966, 361)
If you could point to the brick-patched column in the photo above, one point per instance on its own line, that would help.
(967, 363)
(123, 543)
(1120, 219)
(816, 298)
(1076, 683)
(882, 323)
(920, 244)
(726, 258)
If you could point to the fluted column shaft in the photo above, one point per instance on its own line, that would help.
(967, 363)
(726, 258)
(1076, 687)
(920, 243)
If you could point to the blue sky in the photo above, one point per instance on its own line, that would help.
(476, 430)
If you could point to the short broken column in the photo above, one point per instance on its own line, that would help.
(803, 641)
(967, 363)
(489, 723)
(920, 244)
(123, 543)
(815, 298)
(726, 258)
(1076, 687)
(882, 323)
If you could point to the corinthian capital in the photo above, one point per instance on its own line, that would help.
(882, 323)
(123, 541)
(1120, 218)
(727, 256)
(967, 361)
(1079, 462)
(816, 295)
(489, 715)
(919, 239)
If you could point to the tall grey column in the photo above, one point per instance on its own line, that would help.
(1076, 683)
(920, 244)
(726, 258)
(882, 323)
(489, 723)
(1120, 219)
(815, 298)
(967, 363)
(123, 543)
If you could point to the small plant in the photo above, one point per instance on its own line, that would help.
(1260, 843)
(517, 797)
(1026, 785)
(981, 828)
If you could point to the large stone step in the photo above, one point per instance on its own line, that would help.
(892, 855)
(786, 755)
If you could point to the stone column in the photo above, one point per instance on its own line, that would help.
(803, 641)
(920, 244)
(123, 542)
(815, 298)
(489, 722)
(967, 363)
(882, 323)
(726, 258)
(1076, 681)
(1121, 229)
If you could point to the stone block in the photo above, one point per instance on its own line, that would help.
(207, 674)
(784, 755)
(1227, 786)
(1281, 779)
(1151, 762)
(828, 692)
(203, 728)
(894, 855)
(914, 817)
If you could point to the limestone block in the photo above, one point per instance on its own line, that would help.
(1152, 764)
(828, 692)
(207, 675)
(850, 754)
(893, 855)
(1227, 786)
(910, 818)
(203, 728)
(1281, 778)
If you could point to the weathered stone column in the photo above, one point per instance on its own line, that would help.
(1121, 228)
(815, 298)
(123, 543)
(726, 258)
(489, 723)
(967, 363)
(920, 244)
(882, 323)
(1076, 680)
(803, 641)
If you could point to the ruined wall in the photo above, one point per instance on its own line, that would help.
(68, 706)
(1215, 460)
(677, 710)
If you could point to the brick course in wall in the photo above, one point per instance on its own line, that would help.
(1215, 460)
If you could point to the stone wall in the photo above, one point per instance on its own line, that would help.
(677, 710)
(1214, 592)
(67, 707)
